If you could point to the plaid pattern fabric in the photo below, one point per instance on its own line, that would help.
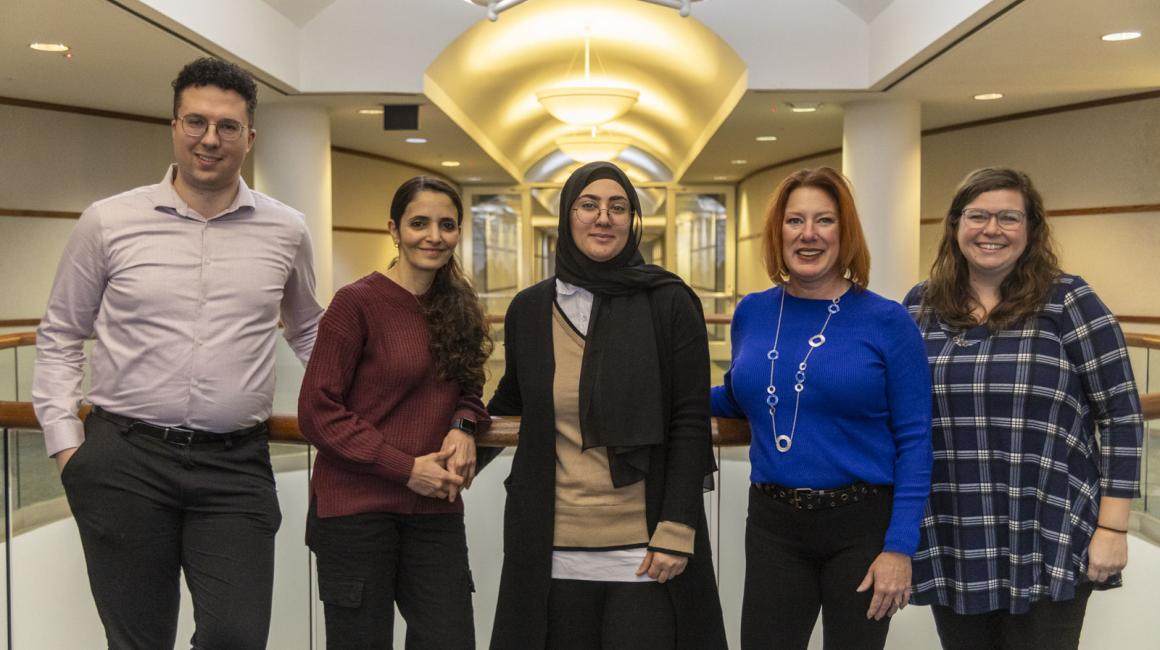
(1018, 469)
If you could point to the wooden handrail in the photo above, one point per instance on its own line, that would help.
(504, 431)
(1137, 340)
(17, 340)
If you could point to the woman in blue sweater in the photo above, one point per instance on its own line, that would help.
(833, 381)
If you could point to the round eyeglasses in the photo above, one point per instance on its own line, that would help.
(195, 126)
(588, 211)
(1007, 219)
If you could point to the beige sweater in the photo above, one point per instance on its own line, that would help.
(592, 514)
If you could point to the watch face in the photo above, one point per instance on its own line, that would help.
(465, 424)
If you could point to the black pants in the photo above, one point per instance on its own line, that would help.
(146, 512)
(797, 561)
(368, 563)
(588, 615)
(1049, 624)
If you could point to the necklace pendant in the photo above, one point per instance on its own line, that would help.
(962, 342)
(782, 442)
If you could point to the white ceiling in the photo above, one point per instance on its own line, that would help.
(867, 10)
(1040, 54)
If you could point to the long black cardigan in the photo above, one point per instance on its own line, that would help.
(673, 487)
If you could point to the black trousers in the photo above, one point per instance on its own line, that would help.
(148, 510)
(1049, 624)
(589, 615)
(800, 561)
(369, 563)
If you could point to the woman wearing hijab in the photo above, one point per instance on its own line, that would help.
(607, 363)
(832, 379)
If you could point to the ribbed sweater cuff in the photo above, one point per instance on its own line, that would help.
(395, 465)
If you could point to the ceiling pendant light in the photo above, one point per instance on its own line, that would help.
(586, 104)
(592, 148)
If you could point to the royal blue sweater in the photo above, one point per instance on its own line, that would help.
(864, 412)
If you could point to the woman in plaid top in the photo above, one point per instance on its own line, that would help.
(1028, 509)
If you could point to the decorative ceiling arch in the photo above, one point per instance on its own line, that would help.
(687, 77)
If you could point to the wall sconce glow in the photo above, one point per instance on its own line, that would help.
(416, 140)
(987, 97)
(584, 104)
(766, 138)
(370, 111)
(49, 47)
(1116, 37)
(804, 107)
(586, 149)
(450, 163)
(739, 162)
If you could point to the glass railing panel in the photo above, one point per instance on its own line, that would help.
(46, 564)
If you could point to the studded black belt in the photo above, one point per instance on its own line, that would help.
(809, 499)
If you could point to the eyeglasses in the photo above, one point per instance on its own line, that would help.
(588, 211)
(1008, 219)
(195, 126)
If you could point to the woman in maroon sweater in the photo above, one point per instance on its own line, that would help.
(391, 399)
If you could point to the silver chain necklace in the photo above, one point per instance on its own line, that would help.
(782, 441)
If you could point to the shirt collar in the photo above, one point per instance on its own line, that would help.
(166, 198)
(564, 288)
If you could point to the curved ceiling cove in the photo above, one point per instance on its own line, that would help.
(493, 81)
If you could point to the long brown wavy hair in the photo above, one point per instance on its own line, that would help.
(460, 338)
(1025, 289)
(853, 252)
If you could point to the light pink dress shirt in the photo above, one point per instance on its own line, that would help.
(184, 310)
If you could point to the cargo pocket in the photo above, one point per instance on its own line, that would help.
(341, 592)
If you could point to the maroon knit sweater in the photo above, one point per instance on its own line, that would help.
(371, 402)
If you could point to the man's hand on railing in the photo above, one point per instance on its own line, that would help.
(63, 456)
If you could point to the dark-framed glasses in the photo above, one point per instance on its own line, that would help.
(195, 126)
(588, 211)
(1007, 219)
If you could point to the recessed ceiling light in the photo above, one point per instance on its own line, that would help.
(370, 111)
(739, 161)
(804, 107)
(473, 179)
(986, 97)
(450, 163)
(1120, 36)
(766, 138)
(49, 47)
(720, 178)
(416, 141)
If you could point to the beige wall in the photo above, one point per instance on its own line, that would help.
(60, 161)
(1095, 157)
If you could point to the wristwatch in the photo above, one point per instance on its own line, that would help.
(464, 424)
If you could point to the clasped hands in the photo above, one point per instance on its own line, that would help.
(444, 473)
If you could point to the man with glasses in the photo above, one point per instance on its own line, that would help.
(182, 284)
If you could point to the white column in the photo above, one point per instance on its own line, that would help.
(292, 164)
(882, 157)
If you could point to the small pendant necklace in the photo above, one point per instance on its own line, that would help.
(782, 441)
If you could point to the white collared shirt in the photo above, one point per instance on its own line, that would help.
(576, 303)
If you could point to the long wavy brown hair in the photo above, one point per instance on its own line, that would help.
(1025, 289)
(460, 337)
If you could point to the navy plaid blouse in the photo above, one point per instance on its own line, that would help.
(1018, 470)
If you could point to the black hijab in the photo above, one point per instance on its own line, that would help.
(621, 402)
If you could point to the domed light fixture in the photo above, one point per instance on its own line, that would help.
(589, 148)
(586, 104)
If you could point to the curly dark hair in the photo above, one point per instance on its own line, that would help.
(460, 337)
(1025, 289)
(208, 71)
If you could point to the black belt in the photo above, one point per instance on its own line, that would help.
(180, 436)
(807, 499)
